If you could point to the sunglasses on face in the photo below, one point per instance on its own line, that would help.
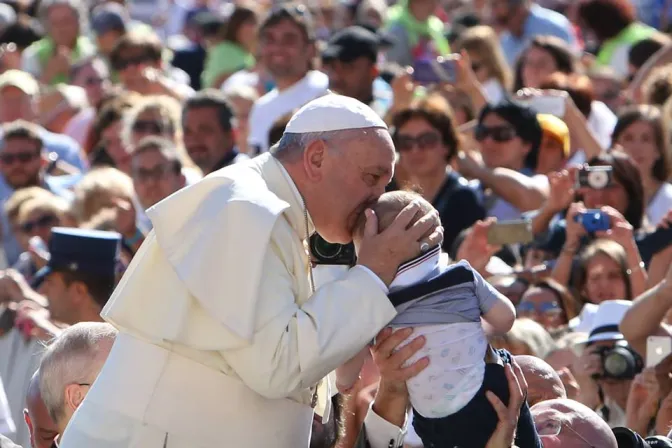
(41, 222)
(93, 81)
(424, 141)
(545, 308)
(156, 173)
(22, 157)
(148, 127)
(124, 63)
(500, 134)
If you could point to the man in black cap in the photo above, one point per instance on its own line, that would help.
(351, 62)
(81, 273)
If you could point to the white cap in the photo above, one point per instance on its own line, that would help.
(607, 319)
(333, 112)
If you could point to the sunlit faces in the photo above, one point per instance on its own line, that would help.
(20, 162)
(639, 142)
(204, 138)
(604, 280)
(500, 145)
(421, 148)
(538, 64)
(285, 51)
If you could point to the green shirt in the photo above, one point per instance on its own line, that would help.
(225, 58)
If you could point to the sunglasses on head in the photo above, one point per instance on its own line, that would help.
(500, 134)
(23, 157)
(426, 140)
(41, 222)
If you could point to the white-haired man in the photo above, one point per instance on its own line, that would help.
(219, 316)
(70, 365)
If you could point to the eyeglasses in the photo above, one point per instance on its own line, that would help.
(546, 308)
(9, 158)
(500, 134)
(424, 141)
(148, 127)
(550, 428)
(41, 222)
(157, 173)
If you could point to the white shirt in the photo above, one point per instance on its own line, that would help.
(494, 92)
(275, 104)
(660, 205)
(601, 123)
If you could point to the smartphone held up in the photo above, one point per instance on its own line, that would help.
(434, 71)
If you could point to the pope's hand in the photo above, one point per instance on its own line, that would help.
(383, 252)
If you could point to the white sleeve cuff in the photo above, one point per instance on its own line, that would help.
(381, 283)
(381, 433)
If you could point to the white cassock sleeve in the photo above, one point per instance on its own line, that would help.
(294, 346)
(382, 434)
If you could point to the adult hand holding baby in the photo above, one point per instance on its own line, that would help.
(403, 240)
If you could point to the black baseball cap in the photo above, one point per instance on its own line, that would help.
(352, 43)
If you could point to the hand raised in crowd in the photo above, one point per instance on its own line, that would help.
(505, 432)
(14, 287)
(390, 356)
(621, 230)
(10, 57)
(465, 78)
(126, 216)
(585, 368)
(643, 398)
(572, 386)
(664, 416)
(34, 321)
(575, 230)
(475, 248)
(562, 191)
(384, 252)
(58, 65)
(470, 164)
(403, 89)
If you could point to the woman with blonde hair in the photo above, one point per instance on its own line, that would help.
(158, 116)
(487, 61)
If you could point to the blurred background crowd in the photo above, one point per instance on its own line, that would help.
(540, 130)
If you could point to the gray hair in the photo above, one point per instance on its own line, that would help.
(292, 145)
(73, 357)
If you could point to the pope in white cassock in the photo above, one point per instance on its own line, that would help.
(223, 340)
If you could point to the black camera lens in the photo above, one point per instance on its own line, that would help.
(326, 250)
(615, 364)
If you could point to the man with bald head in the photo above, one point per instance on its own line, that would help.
(219, 314)
(565, 423)
(42, 428)
(543, 383)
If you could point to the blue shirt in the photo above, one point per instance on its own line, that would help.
(540, 22)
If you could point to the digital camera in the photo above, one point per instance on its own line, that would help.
(595, 177)
(324, 252)
(619, 362)
(593, 220)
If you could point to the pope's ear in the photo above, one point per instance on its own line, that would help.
(313, 159)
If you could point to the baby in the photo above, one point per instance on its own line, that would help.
(444, 303)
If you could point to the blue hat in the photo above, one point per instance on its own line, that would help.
(79, 250)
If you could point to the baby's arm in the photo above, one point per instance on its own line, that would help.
(497, 310)
(348, 374)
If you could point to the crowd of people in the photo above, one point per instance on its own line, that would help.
(538, 131)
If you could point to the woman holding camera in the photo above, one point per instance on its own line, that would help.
(640, 134)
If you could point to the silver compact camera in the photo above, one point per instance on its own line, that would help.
(595, 177)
